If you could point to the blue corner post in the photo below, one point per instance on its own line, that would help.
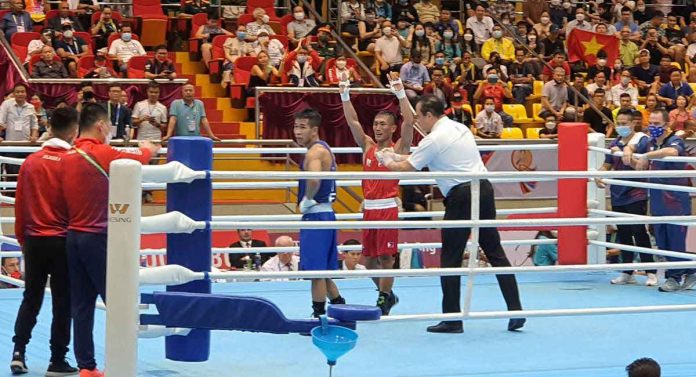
(192, 251)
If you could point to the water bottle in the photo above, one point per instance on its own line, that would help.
(257, 262)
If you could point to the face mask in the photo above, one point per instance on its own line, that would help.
(490, 108)
(126, 37)
(497, 34)
(265, 18)
(641, 8)
(492, 78)
(68, 34)
(545, 20)
(601, 62)
(555, 2)
(299, 16)
(439, 61)
(387, 30)
(420, 33)
(37, 104)
(566, 5)
(263, 39)
(448, 35)
(301, 58)
(340, 64)
(623, 130)
(506, 22)
(550, 125)
(241, 35)
(655, 130)
(468, 37)
(16, 275)
(625, 80)
(532, 38)
(580, 17)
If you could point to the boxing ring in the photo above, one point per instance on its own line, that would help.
(551, 343)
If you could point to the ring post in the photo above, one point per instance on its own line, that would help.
(192, 251)
(473, 245)
(122, 268)
(572, 193)
(597, 199)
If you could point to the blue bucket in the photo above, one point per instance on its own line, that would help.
(333, 341)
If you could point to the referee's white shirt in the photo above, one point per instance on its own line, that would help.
(450, 146)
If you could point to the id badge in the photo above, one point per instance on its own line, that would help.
(20, 28)
(191, 125)
(18, 125)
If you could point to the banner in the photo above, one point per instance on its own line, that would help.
(523, 160)
(584, 45)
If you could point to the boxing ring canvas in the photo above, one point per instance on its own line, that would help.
(599, 346)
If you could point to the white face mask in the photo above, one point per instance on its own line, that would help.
(420, 33)
(580, 17)
(299, 16)
(550, 125)
(555, 2)
(468, 37)
(602, 62)
(340, 64)
(265, 18)
(490, 108)
(263, 39)
(532, 38)
(625, 80)
(641, 8)
(387, 31)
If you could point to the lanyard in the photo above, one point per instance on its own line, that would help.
(92, 162)
(118, 112)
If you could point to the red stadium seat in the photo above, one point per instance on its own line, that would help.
(218, 53)
(242, 75)
(20, 43)
(136, 67)
(145, 8)
(87, 37)
(245, 19)
(197, 21)
(84, 65)
(34, 59)
(283, 39)
(153, 28)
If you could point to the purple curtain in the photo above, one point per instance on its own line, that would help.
(279, 108)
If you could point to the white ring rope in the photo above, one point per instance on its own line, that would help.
(647, 185)
(602, 212)
(646, 250)
(638, 155)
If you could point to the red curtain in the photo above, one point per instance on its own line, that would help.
(279, 109)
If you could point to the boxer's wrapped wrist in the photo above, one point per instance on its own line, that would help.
(345, 96)
(400, 94)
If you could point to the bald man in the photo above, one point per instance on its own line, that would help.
(187, 116)
(286, 261)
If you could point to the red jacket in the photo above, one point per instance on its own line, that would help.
(86, 188)
(39, 208)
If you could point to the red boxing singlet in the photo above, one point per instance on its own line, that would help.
(377, 188)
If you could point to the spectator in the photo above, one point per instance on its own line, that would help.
(553, 44)
(664, 71)
(351, 259)
(493, 88)
(41, 114)
(341, 71)
(37, 10)
(388, 51)
(84, 10)
(273, 47)
(545, 254)
(641, 13)
(628, 51)
(456, 112)
(644, 73)
(300, 26)
(626, 22)
(654, 43)
(259, 24)
(579, 85)
(71, 48)
(383, 10)
(481, 25)
(301, 72)
(597, 122)
(405, 31)
(119, 115)
(557, 13)
(533, 10)
(233, 49)
(441, 63)
(467, 76)
(440, 88)
(554, 95)
(537, 46)
(192, 7)
(47, 67)
(558, 61)
(368, 31)
(550, 130)
(100, 70)
(422, 45)
(150, 116)
(240, 261)
(578, 23)
(624, 87)
(600, 66)
(415, 198)
(651, 106)
(10, 267)
(495, 62)
(543, 27)
(600, 82)
(427, 11)
(489, 125)
(324, 47)
(160, 67)
(35, 46)
(18, 120)
(124, 48)
(521, 75)
(287, 261)
(680, 115)
(104, 28)
(675, 38)
(602, 28)
(624, 104)
(210, 30)
(263, 73)
(450, 46)
(501, 8)
(503, 46)
(187, 116)
(352, 11)
(64, 18)
(85, 96)
(17, 20)
(446, 20)
(644, 367)
(414, 76)
(669, 91)
(469, 44)
(404, 8)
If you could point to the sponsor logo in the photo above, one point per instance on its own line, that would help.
(118, 209)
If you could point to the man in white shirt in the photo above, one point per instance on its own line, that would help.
(18, 117)
(351, 261)
(34, 47)
(150, 116)
(388, 51)
(481, 24)
(125, 48)
(624, 86)
(283, 261)
(578, 23)
(450, 146)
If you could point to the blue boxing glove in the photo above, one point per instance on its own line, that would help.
(306, 204)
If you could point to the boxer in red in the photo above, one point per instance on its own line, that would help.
(381, 201)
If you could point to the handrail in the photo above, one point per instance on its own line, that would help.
(105, 81)
(15, 61)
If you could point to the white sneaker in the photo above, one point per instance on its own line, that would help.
(624, 278)
(652, 280)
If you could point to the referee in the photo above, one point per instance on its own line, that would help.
(450, 146)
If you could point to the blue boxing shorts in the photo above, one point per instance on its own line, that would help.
(318, 247)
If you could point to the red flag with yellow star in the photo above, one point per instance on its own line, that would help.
(584, 45)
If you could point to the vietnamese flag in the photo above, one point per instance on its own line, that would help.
(584, 45)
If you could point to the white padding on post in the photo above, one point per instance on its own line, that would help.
(172, 274)
(170, 222)
(154, 331)
(171, 172)
(122, 266)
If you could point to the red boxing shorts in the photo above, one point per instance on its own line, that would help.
(380, 242)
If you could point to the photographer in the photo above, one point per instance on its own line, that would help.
(85, 96)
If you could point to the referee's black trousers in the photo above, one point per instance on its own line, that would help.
(458, 207)
(44, 256)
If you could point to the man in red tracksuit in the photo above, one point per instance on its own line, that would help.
(41, 224)
(85, 184)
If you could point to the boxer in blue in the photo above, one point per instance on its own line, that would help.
(318, 247)
(664, 143)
